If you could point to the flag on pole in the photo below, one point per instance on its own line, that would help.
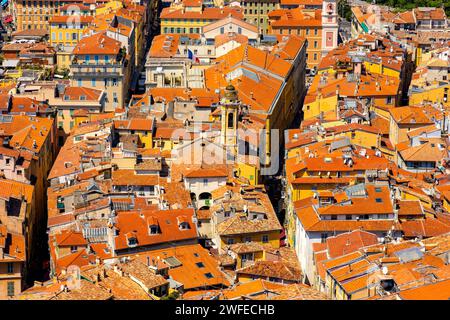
(193, 57)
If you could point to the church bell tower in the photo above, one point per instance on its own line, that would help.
(229, 105)
(330, 26)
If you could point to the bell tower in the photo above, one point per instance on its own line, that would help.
(330, 26)
(229, 117)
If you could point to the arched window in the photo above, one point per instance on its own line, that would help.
(205, 196)
(230, 120)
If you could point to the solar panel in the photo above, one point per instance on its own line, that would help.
(5, 119)
(250, 74)
(356, 190)
(173, 262)
(340, 143)
(268, 38)
(410, 254)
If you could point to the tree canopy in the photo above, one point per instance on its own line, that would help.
(411, 4)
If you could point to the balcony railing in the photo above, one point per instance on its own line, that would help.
(92, 70)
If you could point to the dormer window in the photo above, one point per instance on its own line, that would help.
(154, 229)
(183, 223)
(184, 226)
(131, 239)
(153, 226)
(132, 242)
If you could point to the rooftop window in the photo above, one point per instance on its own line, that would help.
(132, 242)
(154, 229)
(184, 226)
(378, 200)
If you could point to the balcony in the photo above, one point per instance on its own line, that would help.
(110, 70)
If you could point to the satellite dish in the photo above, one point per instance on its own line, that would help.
(384, 270)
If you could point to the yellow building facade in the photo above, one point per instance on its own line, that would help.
(272, 237)
(436, 93)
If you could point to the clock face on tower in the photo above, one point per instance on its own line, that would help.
(330, 7)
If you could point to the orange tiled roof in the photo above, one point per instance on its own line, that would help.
(410, 208)
(312, 223)
(15, 189)
(429, 227)
(134, 124)
(70, 238)
(206, 13)
(409, 115)
(272, 269)
(210, 173)
(434, 291)
(295, 18)
(429, 13)
(302, 2)
(13, 245)
(74, 93)
(127, 177)
(405, 17)
(196, 263)
(73, 20)
(134, 223)
(349, 242)
(27, 132)
(98, 43)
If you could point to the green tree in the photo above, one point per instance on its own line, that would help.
(344, 10)
(411, 4)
